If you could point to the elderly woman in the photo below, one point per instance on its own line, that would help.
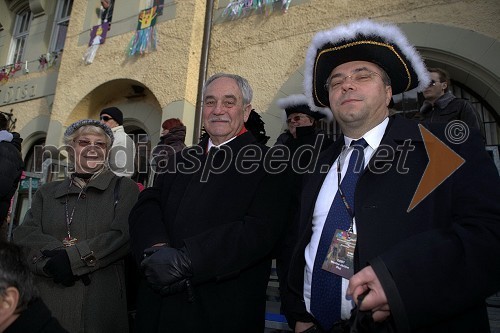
(77, 233)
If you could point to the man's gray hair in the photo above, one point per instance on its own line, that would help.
(15, 272)
(246, 89)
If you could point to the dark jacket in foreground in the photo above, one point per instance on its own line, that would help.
(438, 262)
(35, 319)
(11, 168)
(229, 224)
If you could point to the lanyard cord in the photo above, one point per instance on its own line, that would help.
(69, 218)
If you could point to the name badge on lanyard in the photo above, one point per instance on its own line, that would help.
(340, 256)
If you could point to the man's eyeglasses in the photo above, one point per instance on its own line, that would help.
(295, 118)
(86, 143)
(106, 118)
(433, 83)
(364, 76)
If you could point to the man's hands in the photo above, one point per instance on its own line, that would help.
(166, 269)
(375, 299)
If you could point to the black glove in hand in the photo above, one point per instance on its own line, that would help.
(166, 269)
(85, 279)
(59, 267)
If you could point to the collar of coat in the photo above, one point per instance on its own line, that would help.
(397, 132)
(237, 143)
(101, 183)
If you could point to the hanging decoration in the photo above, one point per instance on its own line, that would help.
(8, 71)
(240, 8)
(43, 62)
(145, 38)
(52, 58)
(97, 37)
(159, 4)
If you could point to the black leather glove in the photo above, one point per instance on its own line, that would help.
(85, 279)
(166, 269)
(59, 267)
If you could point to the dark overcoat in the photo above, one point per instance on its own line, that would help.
(11, 168)
(100, 227)
(438, 262)
(229, 223)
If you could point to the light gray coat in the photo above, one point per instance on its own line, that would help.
(100, 227)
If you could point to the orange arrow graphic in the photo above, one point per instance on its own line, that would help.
(443, 162)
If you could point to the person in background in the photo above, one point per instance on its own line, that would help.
(122, 154)
(171, 141)
(441, 106)
(77, 235)
(21, 309)
(412, 240)
(256, 126)
(301, 121)
(203, 237)
(11, 166)
(305, 141)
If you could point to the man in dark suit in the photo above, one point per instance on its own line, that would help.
(207, 228)
(423, 209)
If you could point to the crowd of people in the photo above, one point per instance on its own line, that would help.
(354, 251)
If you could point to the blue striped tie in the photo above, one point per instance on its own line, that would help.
(326, 287)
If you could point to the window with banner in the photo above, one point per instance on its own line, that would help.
(61, 22)
(20, 37)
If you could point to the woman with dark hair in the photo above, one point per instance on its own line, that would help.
(171, 141)
(77, 235)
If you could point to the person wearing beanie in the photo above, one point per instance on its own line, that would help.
(398, 223)
(122, 154)
(301, 121)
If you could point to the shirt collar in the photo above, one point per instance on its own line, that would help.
(373, 136)
(211, 144)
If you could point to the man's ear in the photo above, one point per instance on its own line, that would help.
(388, 95)
(246, 112)
(8, 303)
(444, 85)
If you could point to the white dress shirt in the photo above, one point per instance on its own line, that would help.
(322, 207)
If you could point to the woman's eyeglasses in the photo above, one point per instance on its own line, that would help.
(106, 118)
(86, 143)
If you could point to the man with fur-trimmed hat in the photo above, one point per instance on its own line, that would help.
(122, 154)
(302, 130)
(298, 113)
(404, 265)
